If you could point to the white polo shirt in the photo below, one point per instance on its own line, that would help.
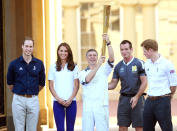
(161, 75)
(63, 80)
(95, 93)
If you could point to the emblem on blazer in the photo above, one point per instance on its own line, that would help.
(122, 69)
(34, 68)
(134, 68)
(20, 69)
(172, 71)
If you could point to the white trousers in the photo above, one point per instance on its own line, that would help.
(25, 112)
(97, 116)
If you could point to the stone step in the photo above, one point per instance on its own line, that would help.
(3, 129)
(112, 128)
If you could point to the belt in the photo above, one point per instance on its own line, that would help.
(157, 97)
(26, 95)
(130, 95)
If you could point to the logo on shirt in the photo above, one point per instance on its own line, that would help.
(34, 68)
(122, 69)
(172, 71)
(134, 68)
(20, 69)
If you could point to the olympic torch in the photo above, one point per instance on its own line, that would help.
(106, 14)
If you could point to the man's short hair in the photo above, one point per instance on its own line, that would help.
(28, 38)
(125, 42)
(90, 50)
(150, 44)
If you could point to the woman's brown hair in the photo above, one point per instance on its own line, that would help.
(69, 60)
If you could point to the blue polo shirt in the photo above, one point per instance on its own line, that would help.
(129, 75)
(26, 78)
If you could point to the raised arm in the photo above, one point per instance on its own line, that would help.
(92, 73)
(110, 50)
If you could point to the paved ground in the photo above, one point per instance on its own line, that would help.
(113, 108)
(113, 114)
(113, 119)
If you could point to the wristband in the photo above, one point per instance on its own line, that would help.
(108, 43)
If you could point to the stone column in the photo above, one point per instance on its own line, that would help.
(149, 18)
(53, 37)
(37, 35)
(127, 21)
(72, 27)
(10, 37)
(47, 56)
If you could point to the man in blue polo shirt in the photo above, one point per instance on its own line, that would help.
(25, 78)
(131, 73)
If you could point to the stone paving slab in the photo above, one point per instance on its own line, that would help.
(113, 119)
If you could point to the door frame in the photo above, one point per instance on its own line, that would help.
(3, 116)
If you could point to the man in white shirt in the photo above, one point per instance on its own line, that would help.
(95, 89)
(162, 82)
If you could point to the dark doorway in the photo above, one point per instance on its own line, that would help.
(2, 86)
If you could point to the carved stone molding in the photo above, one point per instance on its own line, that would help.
(128, 2)
(148, 2)
(70, 3)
